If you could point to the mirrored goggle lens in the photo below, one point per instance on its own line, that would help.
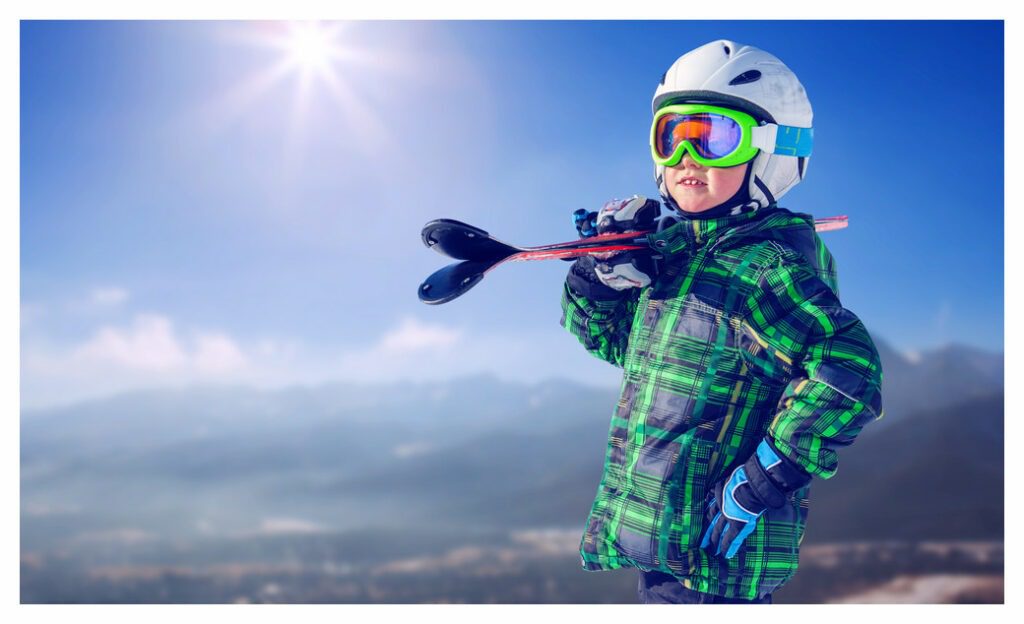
(713, 136)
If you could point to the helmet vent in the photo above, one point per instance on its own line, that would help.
(748, 76)
(726, 48)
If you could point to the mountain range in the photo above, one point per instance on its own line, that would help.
(116, 476)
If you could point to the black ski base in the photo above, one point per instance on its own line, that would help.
(453, 281)
(463, 241)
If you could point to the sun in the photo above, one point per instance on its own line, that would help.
(319, 67)
(310, 46)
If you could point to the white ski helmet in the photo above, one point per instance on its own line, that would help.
(744, 78)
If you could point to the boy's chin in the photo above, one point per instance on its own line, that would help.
(689, 206)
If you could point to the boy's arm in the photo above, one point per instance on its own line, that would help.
(834, 391)
(836, 385)
(600, 317)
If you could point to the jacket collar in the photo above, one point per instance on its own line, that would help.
(692, 234)
(774, 223)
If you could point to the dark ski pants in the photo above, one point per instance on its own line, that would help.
(661, 588)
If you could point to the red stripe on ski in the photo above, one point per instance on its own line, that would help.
(545, 254)
(823, 224)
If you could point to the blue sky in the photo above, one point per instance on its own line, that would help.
(189, 213)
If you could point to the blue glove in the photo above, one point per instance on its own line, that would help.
(762, 483)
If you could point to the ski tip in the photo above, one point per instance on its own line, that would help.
(462, 241)
(426, 296)
(429, 231)
(429, 297)
(451, 281)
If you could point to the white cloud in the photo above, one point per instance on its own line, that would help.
(411, 449)
(218, 353)
(412, 335)
(151, 345)
(148, 345)
(119, 536)
(110, 296)
(413, 349)
(277, 349)
(150, 351)
(284, 526)
(147, 352)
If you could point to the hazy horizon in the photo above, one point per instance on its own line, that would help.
(612, 382)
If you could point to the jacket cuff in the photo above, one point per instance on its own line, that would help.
(773, 476)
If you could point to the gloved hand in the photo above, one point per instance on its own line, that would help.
(621, 269)
(627, 215)
(762, 483)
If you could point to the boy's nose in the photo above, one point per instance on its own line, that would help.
(688, 162)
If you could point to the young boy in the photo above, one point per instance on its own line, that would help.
(742, 372)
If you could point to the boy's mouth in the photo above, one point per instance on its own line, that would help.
(691, 183)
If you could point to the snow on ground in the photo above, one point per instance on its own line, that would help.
(933, 589)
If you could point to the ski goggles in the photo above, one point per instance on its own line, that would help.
(720, 137)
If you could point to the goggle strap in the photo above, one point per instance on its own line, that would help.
(792, 141)
(763, 137)
(784, 140)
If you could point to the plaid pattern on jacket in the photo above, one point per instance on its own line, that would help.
(740, 336)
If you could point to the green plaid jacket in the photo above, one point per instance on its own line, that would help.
(740, 336)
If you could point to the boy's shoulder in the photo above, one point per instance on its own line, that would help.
(751, 255)
(782, 240)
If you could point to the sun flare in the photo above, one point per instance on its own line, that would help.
(310, 46)
(314, 71)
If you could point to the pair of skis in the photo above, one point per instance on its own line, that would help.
(480, 253)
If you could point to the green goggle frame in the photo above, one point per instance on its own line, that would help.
(721, 137)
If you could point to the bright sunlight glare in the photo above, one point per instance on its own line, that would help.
(323, 62)
(310, 45)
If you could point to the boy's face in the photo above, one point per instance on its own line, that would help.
(697, 188)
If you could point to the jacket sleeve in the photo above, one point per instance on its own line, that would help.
(835, 378)
(600, 317)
